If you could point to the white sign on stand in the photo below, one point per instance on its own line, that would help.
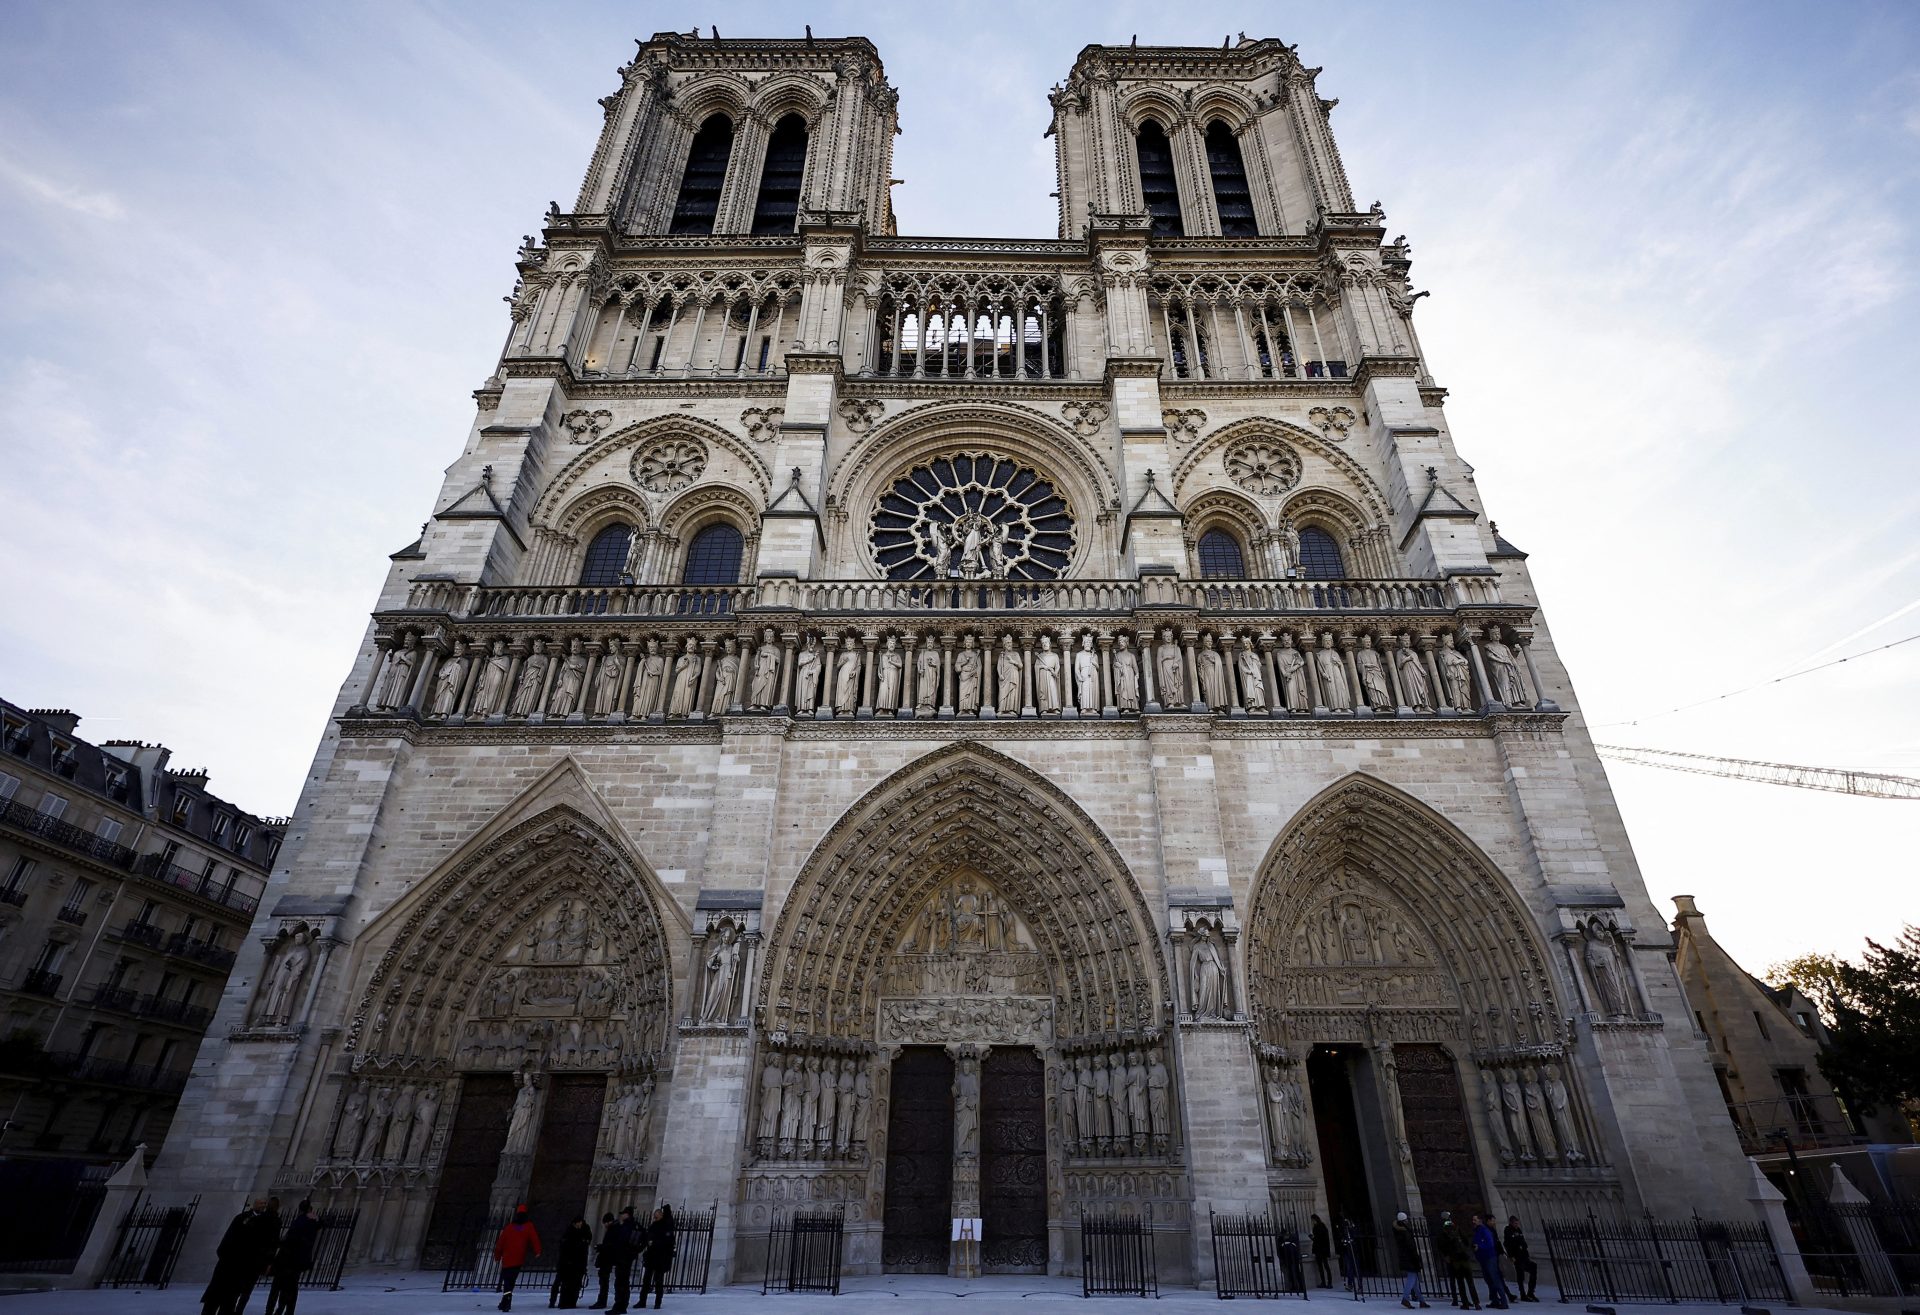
(966, 1236)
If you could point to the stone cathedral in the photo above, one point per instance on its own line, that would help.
(956, 728)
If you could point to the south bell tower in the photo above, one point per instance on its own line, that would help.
(956, 728)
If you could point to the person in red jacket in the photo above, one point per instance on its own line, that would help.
(511, 1248)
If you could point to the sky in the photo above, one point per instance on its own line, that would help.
(255, 253)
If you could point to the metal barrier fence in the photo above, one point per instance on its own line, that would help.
(47, 1210)
(803, 1252)
(693, 1249)
(1370, 1262)
(1255, 1256)
(1865, 1249)
(149, 1244)
(1669, 1260)
(1116, 1257)
(330, 1249)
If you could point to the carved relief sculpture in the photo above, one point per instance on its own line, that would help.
(569, 683)
(726, 678)
(1455, 677)
(1007, 677)
(1373, 675)
(926, 680)
(1213, 676)
(764, 691)
(1333, 676)
(606, 681)
(450, 680)
(892, 668)
(806, 677)
(489, 698)
(1046, 678)
(533, 681)
(1503, 670)
(846, 680)
(966, 672)
(1086, 677)
(1126, 675)
(1292, 664)
(686, 680)
(1413, 676)
(1172, 672)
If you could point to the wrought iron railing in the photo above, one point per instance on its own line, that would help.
(39, 981)
(1116, 1256)
(803, 1252)
(65, 834)
(149, 1244)
(202, 884)
(1256, 1256)
(1664, 1260)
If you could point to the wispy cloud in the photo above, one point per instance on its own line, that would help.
(95, 204)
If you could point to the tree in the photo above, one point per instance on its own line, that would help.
(1873, 1050)
(1815, 975)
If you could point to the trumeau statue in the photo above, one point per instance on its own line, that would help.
(1126, 675)
(398, 678)
(569, 683)
(726, 677)
(1172, 672)
(533, 680)
(606, 682)
(1413, 676)
(1253, 684)
(764, 692)
(649, 682)
(723, 965)
(1046, 678)
(1292, 665)
(926, 679)
(1333, 676)
(1209, 977)
(966, 674)
(1373, 675)
(1086, 677)
(1455, 676)
(892, 666)
(806, 677)
(1603, 969)
(1503, 669)
(285, 971)
(450, 680)
(490, 697)
(686, 680)
(520, 1129)
(1213, 676)
(846, 680)
(1007, 672)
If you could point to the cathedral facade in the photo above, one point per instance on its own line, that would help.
(957, 728)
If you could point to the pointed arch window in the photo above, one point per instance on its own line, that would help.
(706, 173)
(714, 556)
(778, 204)
(1157, 187)
(606, 559)
(1231, 195)
(1320, 555)
(1220, 557)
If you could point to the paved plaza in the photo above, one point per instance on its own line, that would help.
(417, 1293)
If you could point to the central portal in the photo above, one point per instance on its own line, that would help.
(919, 1163)
(1013, 1162)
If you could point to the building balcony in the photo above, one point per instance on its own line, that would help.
(39, 981)
(138, 933)
(157, 868)
(1805, 1123)
(13, 897)
(173, 1011)
(64, 834)
(106, 995)
(71, 914)
(114, 1072)
(183, 946)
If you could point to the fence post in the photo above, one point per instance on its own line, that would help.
(124, 1189)
(1770, 1205)
(1849, 1204)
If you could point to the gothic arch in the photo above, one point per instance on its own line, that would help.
(781, 94)
(963, 809)
(1153, 100)
(717, 92)
(1221, 509)
(1489, 987)
(1361, 486)
(1229, 104)
(551, 920)
(708, 504)
(561, 491)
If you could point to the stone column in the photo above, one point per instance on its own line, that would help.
(1188, 638)
(782, 696)
(869, 643)
(1347, 644)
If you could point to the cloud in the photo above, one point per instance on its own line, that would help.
(80, 201)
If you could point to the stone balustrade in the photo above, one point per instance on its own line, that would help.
(1113, 597)
(1065, 650)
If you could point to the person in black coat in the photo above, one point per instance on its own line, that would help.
(294, 1258)
(1526, 1272)
(625, 1249)
(1406, 1250)
(659, 1256)
(243, 1255)
(1322, 1250)
(570, 1265)
(603, 1256)
(1458, 1257)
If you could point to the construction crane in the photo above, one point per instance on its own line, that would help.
(1837, 780)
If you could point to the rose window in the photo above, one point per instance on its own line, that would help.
(971, 516)
(669, 466)
(1267, 468)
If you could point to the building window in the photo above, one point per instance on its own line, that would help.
(17, 878)
(1320, 555)
(1761, 1023)
(116, 783)
(182, 809)
(242, 835)
(700, 186)
(8, 784)
(1231, 195)
(714, 556)
(52, 805)
(1220, 557)
(606, 558)
(107, 829)
(778, 203)
(1158, 191)
(1184, 366)
(76, 896)
(221, 822)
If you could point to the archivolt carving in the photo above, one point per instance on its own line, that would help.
(560, 492)
(1025, 430)
(1327, 508)
(1370, 903)
(1362, 487)
(1227, 103)
(1240, 516)
(707, 502)
(786, 93)
(702, 95)
(542, 949)
(929, 831)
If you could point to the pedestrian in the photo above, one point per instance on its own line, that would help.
(1407, 1249)
(659, 1256)
(1349, 1263)
(603, 1256)
(245, 1250)
(1486, 1249)
(294, 1258)
(626, 1246)
(570, 1269)
(1322, 1249)
(1526, 1274)
(511, 1249)
(1459, 1262)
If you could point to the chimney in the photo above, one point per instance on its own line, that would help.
(149, 758)
(61, 720)
(1687, 908)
